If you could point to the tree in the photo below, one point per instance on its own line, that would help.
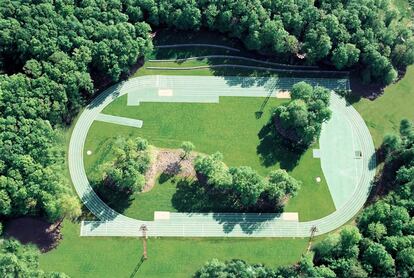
(345, 55)
(213, 170)
(391, 143)
(69, 208)
(376, 231)
(281, 184)
(378, 261)
(126, 172)
(233, 268)
(405, 262)
(187, 147)
(308, 269)
(300, 121)
(17, 260)
(247, 184)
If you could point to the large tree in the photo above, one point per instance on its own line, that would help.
(17, 260)
(300, 121)
(127, 172)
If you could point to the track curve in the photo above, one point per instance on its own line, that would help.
(112, 223)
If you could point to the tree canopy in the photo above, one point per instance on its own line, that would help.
(299, 122)
(243, 188)
(17, 260)
(127, 171)
(53, 56)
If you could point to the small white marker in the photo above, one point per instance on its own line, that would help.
(318, 179)
(89, 152)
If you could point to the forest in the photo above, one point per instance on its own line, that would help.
(55, 55)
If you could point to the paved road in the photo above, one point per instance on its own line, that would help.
(112, 223)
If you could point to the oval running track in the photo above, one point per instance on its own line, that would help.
(112, 223)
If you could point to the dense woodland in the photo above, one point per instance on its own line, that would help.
(54, 54)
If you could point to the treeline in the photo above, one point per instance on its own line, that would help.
(17, 260)
(368, 34)
(382, 244)
(51, 54)
(242, 188)
(54, 53)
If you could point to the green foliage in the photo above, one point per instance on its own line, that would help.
(187, 148)
(233, 268)
(345, 55)
(377, 261)
(17, 260)
(383, 243)
(243, 187)
(50, 51)
(281, 184)
(126, 172)
(104, 38)
(31, 168)
(369, 34)
(405, 262)
(300, 121)
(213, 169)
(391, 142)
(247, 185)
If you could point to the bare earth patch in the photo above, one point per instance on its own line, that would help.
(169, 162)
(283, 94)
(36, 231)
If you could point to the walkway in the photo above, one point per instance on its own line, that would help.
(119, 120)
(216, 224)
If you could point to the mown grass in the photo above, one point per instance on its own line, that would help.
(167, 257)
(230, 127)
(383, 115)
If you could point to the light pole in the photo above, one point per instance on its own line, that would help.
(313, 231)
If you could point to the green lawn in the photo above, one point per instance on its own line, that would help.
(168, 257)
(230, 127)
(157, 199)
(384, 114)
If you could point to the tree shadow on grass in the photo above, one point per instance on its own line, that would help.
(115, 199)
(273, 150)
(34, 230)
(192, 197)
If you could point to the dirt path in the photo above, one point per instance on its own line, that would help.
(169, 162)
